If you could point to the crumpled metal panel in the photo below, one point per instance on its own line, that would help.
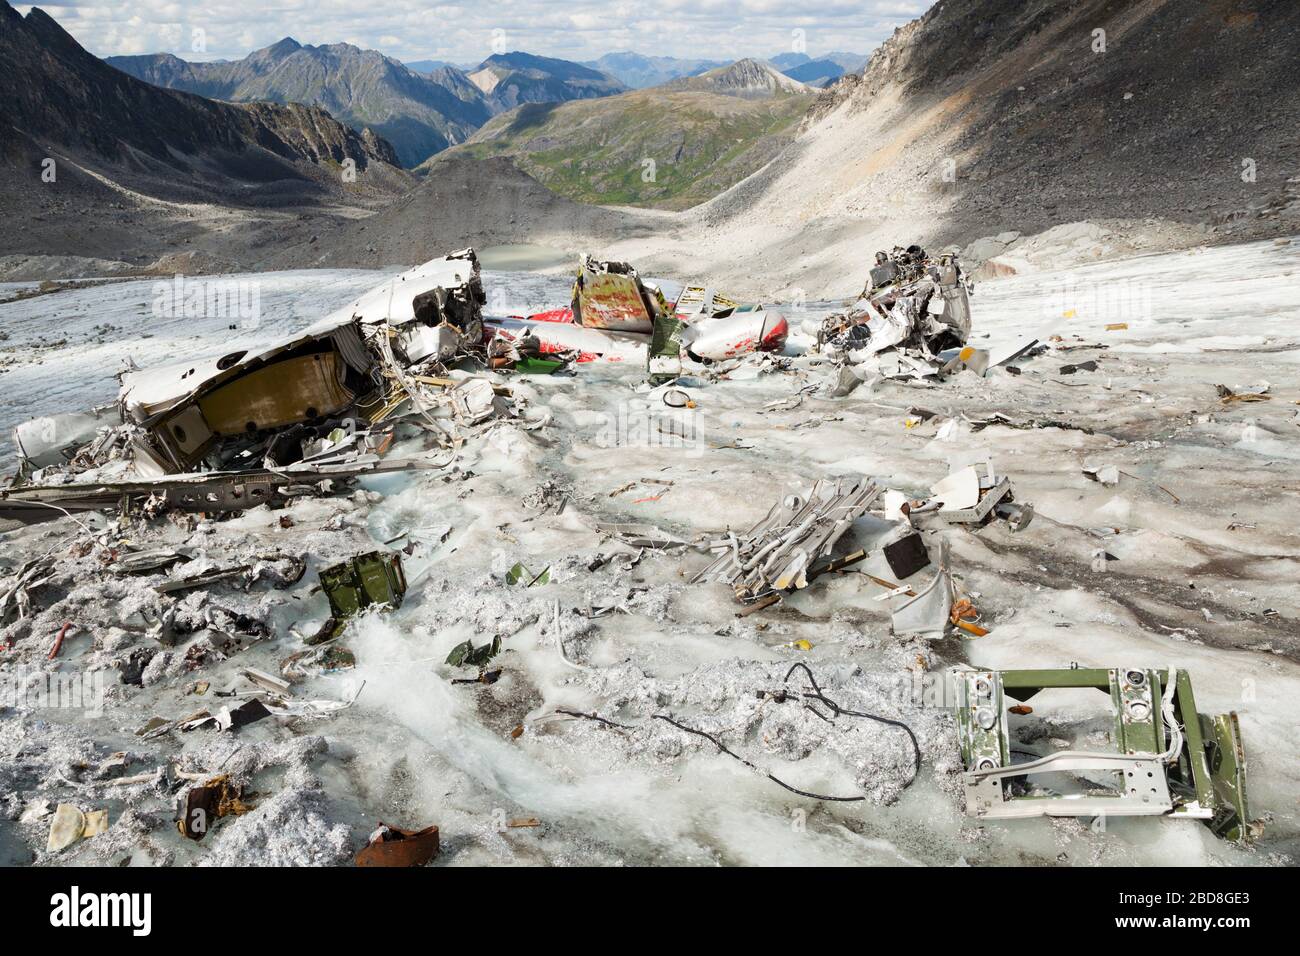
(609, 295)
(393, 846)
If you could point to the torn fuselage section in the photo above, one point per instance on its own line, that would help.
(716, 327)
(318, 394)
(241, 407)
(213, 413)
(611, 296)
(1165, 758)
(303, 414)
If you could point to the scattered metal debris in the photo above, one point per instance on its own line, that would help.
(199, 807)
(1256, 393)
(782, 551)
(228, 718)
(968, 497)
(414, 360)
(466, 654)
(927, 612)
(71, 824)
(521, 575)
(615, 315)
(374, 578)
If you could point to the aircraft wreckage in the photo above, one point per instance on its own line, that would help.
(911, 321)
(311, 412)
(1169, 759)
(616, 316)
(300, 415)
(318, 408)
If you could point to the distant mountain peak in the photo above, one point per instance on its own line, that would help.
(746, 77)
(284, 47)
(815, 72)
(532, 63)
(640, 71)
(418, 113)
(786, 61)
(347, 49)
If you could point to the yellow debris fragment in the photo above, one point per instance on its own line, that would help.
(66, 828)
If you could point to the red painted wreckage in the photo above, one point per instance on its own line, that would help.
(614, 316)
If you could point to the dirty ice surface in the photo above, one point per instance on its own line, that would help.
(1190, 560)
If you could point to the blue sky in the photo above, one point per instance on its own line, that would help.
(411, 30)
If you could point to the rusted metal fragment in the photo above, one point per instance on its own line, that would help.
(200, 807)
(393, 846)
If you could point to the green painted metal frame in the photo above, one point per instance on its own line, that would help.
(1209, 773)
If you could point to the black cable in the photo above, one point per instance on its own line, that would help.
(817, 713)
(836, 709)
(817, 695)
(776, 780)
(595, 717)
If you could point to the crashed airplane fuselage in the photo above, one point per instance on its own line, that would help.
(234, 426)
(236, 402)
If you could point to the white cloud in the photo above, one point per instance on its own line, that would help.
(411, 29)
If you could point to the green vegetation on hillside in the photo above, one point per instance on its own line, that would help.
(599, 151)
